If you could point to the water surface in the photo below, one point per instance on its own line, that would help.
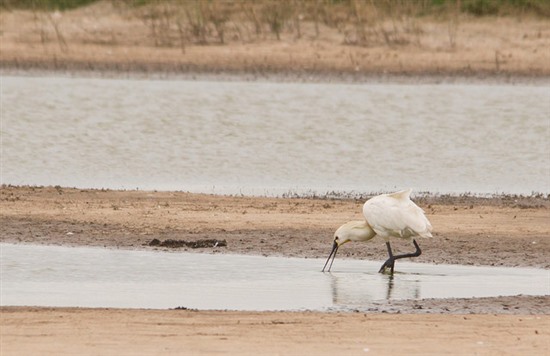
(95, 277)
(272, 138)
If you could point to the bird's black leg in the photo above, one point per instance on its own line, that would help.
(390, 262)
(416, 253)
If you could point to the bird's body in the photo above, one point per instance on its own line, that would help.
(386, 215)
(396, 215)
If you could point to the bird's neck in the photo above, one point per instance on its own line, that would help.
(368, 232)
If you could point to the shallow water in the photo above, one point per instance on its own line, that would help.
(271, 138)
(95, 277)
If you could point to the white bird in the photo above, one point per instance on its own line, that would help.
(386, 215)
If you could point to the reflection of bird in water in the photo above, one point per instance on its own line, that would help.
(386, 215)
(390, 287)
(357, 290)
(362, 289)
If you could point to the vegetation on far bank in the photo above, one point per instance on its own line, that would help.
(420, 7)
(460, 37)
(175, 23)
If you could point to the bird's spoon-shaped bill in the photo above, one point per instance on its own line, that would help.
(333, 255)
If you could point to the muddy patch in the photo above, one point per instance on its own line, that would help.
(203, 243)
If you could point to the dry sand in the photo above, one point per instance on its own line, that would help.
(29, 331)
(508, 231)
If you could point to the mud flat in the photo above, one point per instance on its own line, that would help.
(507, 231)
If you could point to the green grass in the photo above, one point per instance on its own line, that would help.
(422, 7)
(45, 4)
(505, 7)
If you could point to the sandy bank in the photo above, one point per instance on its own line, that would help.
(102, 38)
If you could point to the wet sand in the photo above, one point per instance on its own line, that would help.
(504, 231)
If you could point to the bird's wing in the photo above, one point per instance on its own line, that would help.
(413, 217)
(402, 195)
(396, 215)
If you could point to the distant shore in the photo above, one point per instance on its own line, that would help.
(104, 40)
(163, 73)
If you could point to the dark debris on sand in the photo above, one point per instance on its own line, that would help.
(203, 243)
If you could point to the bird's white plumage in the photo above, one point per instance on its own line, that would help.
(396, 215)
(354, 231)
(387, 215)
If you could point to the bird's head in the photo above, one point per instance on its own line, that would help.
(357, 230)
(339, 239)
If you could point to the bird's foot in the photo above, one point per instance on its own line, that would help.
(390, 263)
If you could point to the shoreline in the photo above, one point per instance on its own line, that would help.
(163, 73)
(535, 199)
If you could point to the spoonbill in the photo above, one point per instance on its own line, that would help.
(386, 215)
